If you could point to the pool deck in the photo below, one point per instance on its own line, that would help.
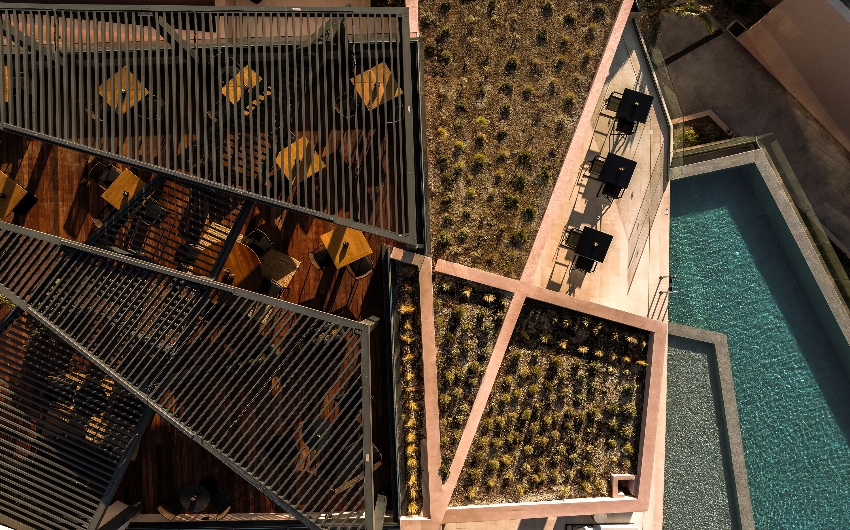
(628, 279)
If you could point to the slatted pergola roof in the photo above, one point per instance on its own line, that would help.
(66, 431)
(312, 110)
(279, 392)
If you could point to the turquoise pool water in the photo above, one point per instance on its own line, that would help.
(793, 396)
(696, 479)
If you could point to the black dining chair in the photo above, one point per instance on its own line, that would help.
(595, 167)
(610, 191)
(104, 174)
(321, 258)
(571, 238)
(221, 502)
(258, 241)
(210, 484)
(152, 213)
(584, 264)
(360, 268)
(625, 127)
(613, 101)
(171, 507)
(270, 288)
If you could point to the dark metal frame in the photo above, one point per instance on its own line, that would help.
(183, 128)
(168, 336)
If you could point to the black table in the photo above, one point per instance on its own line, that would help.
(634, 106)
(617, 171)
(194, 498)
(593, 244)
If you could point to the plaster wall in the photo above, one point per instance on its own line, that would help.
(805, 44)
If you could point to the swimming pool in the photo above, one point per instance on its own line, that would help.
(793, 395)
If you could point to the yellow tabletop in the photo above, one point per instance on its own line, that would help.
(346, 245)
(376, 86)
(128, 182)
(12, 194)
(122, 91)
(244, 79)
(299, 161)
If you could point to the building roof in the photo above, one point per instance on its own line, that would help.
(311, 110)
(273, 389)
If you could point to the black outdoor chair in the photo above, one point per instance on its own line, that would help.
(26, 204)
(321, 258)
(610, 191)
(171, 507)
(152, 213)
(613, 102)
(596, 166)
(210, 484)
(104, 174)
(571, 238)
(258, 241)
(360, 268)
(625, 127)
(583, 264)
(187, 255)
(221, 503)
(270, 288)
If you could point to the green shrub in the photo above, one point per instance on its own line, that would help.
(511, 65)
(544, 174)
(588, 471)
(630, 410)
(426, 21)
(528, 450)
(505, 112)
(591, 31)
(443, 35)
(528, 213)
(628, 449)
(527, 91)
(548, 9)
(511, 202)
(542, 36)
(506, 89)
(481, 121)
(479, 160)
(518, 182)
(627, 431)
(569, 20)
(690, 137)
(502, 156)
(525, 415)
(462, 235)
(445, 6)
(501, 135)
(445, 57)
(443, 239)
(586, 57)
(524, 158)
(598, 12)
(470, 193)
(480, 138)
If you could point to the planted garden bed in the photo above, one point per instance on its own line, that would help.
(506, 83)
(412, 416)
(564, 414)
(699, 131)
(467, 317)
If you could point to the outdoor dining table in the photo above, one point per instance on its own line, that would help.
(346, 245)
(634, 106)
(11, 194)
(122, 91)
(125, 186)
(194, 498)
(245, 266)
(376, 86)
(593, 244)
(617, 171)
(299, 161)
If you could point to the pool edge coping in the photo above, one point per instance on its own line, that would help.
(731, 421)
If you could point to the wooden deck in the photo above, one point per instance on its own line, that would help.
(167, 459)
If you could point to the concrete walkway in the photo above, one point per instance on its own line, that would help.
(724, 77)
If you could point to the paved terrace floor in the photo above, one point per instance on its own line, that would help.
(639, 253)
(722, 76)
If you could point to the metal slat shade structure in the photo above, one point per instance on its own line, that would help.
(280, 393)
(309, 110)
(66, 431)
(173, 223)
